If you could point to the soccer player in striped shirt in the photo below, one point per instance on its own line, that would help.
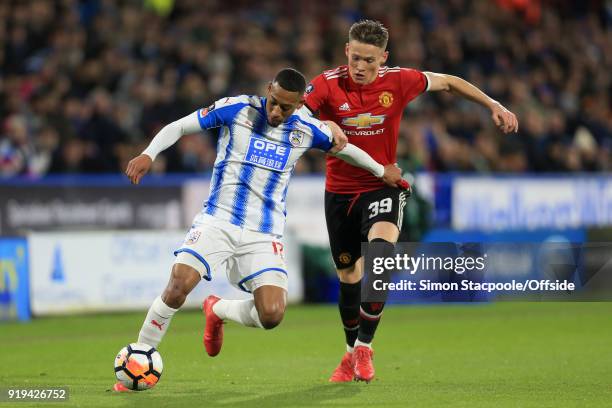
(239, 230)
(367, 100)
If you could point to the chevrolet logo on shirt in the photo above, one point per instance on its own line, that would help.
(363, 120)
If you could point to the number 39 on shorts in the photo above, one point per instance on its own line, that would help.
(380, 207)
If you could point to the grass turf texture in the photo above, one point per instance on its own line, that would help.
(496, 355)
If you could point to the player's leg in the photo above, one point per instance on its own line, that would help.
(382, 237)
(270, 302)
(192, 264)
(206, 248)
(207, 245)
(343, 229)
(183, 279)
(265, 310)
(258, 267)
(349, 299)
(382, 216)
(241, 311)
(348, 306)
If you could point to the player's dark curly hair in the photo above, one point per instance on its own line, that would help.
(369, 32)
(291, 80)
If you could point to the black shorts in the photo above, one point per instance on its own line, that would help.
(350, 216)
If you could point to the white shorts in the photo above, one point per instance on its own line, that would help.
(250, 259)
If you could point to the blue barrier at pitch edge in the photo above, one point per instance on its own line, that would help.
(14, 279)
(442, 184)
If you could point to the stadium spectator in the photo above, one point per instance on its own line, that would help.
(102, 76)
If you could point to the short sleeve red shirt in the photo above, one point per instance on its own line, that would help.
(369, 115)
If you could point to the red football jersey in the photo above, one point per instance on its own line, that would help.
(369, 115)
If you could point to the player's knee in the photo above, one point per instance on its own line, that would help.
(174, 295)
(349, 274)
(180, 284)
(271, 315)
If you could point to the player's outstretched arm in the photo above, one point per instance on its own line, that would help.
(390, 174)
(141, 164)
(504, 119)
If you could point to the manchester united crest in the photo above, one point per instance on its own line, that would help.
(344, 258)
(385, 99)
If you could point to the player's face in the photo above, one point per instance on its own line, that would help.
(280, 104)
(364, 61)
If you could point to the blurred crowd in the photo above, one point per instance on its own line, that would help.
(85, 84)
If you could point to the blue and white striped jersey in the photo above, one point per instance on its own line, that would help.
(255, 161)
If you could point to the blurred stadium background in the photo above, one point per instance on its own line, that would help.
(85, 85)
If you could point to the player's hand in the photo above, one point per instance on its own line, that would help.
(504, 119)
(392, 175)
(138, 167)
(393, 178)
(340, 139)
(405, 185)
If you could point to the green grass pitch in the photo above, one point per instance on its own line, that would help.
(491, 355)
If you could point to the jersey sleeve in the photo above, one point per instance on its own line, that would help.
(316, 93)
(220, 113)
(322, 138)
(413, 83)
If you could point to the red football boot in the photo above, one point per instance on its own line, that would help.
(362, 363)
(213, 330)
(344, 371)
(118, 387)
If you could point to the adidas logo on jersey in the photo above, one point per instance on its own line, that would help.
(344, 107)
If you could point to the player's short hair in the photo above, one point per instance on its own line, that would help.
(291, 80)
(369, 32)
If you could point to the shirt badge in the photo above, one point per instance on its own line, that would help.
(385, 99)
(296, 138)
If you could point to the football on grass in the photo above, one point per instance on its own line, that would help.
(138, 366)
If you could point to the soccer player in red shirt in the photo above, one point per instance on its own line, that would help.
(367, 100)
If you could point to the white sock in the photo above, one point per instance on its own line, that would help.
(361, 343)
(239, 311)
(156, 323)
